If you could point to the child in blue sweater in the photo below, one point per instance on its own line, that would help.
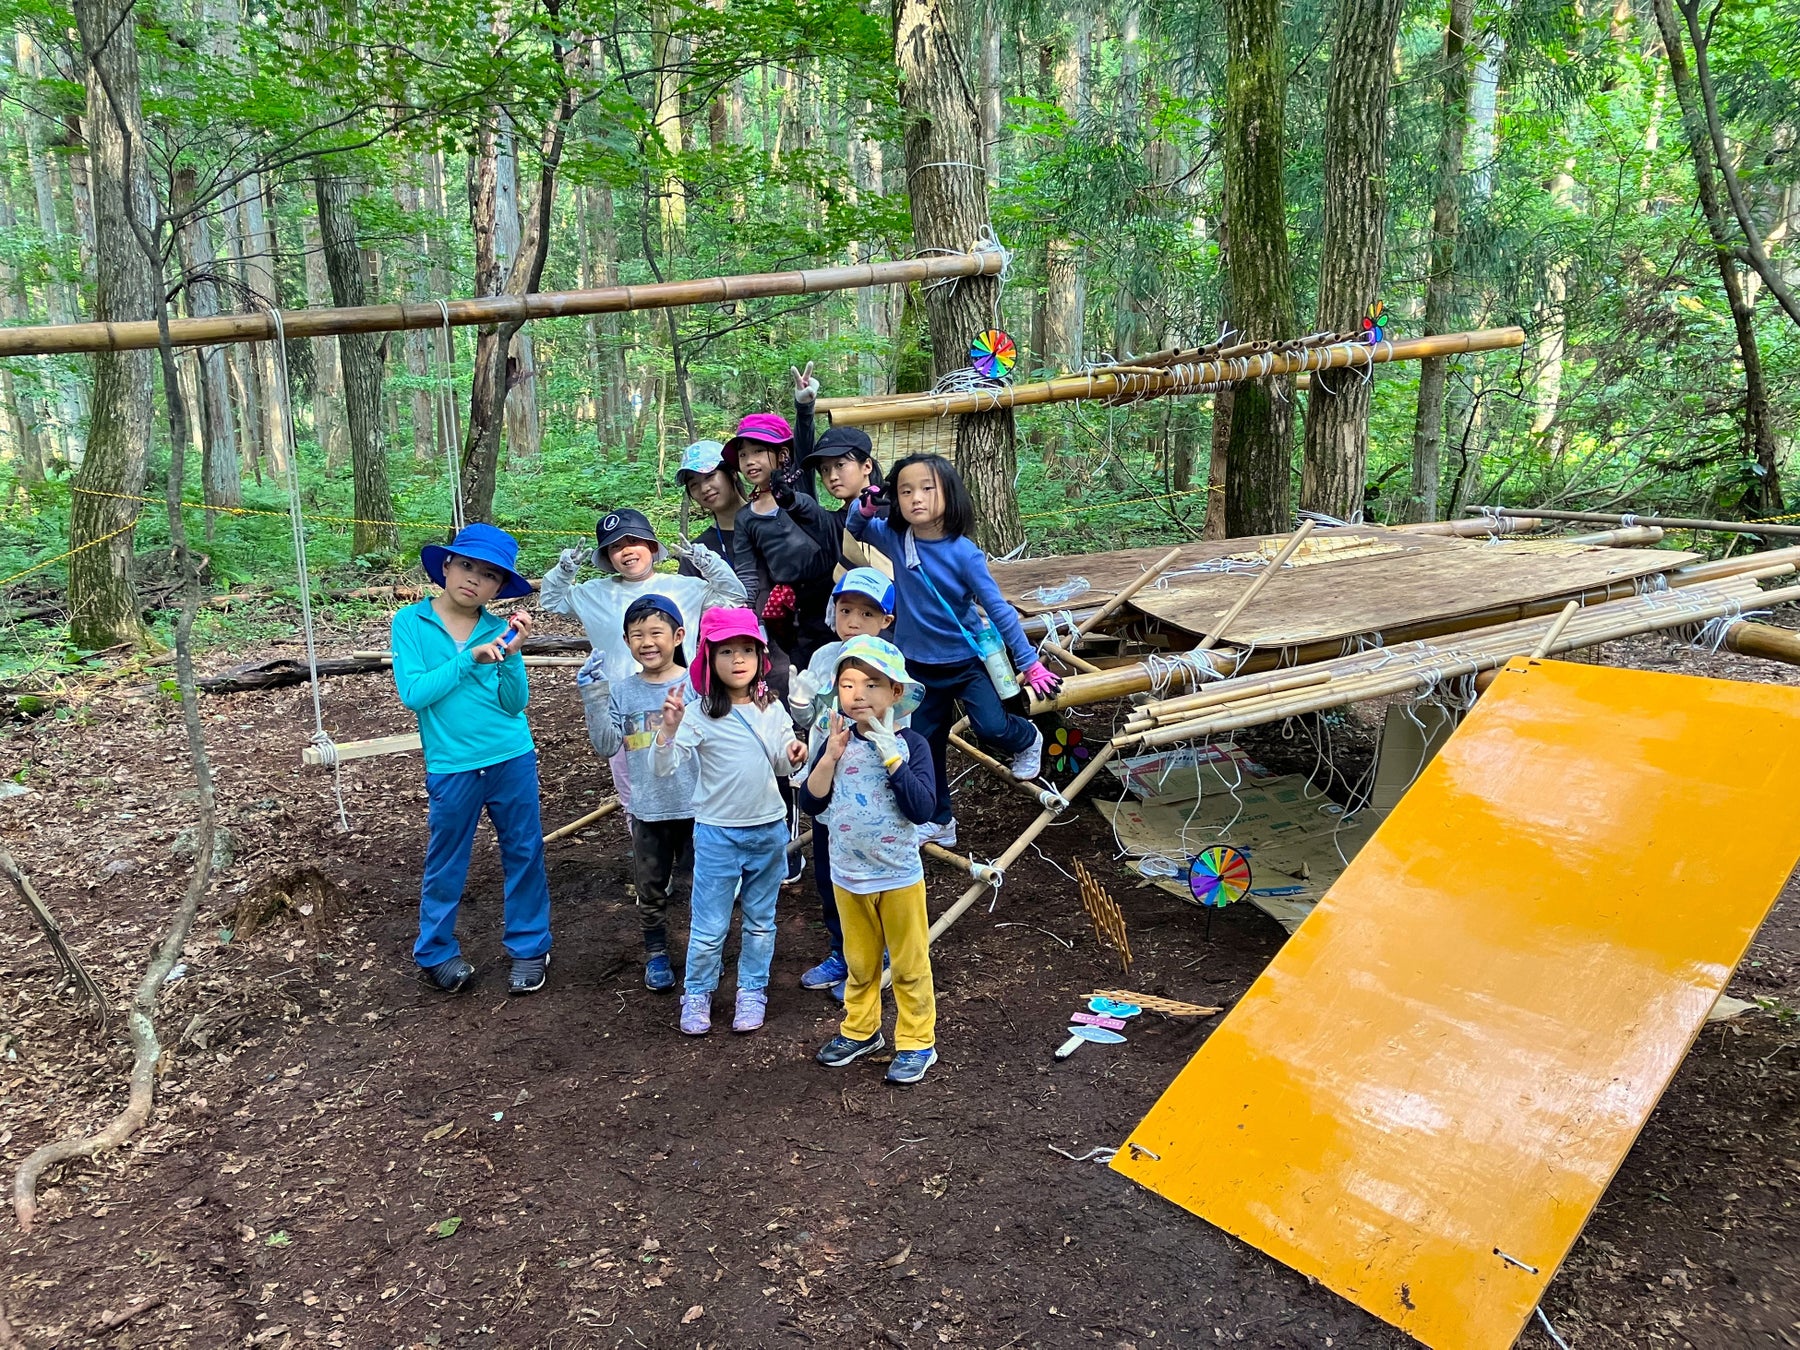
(941, 575)
(458, 668)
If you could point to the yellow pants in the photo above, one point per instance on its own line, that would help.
(894, 921)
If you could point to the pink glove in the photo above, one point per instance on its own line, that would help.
(1041, 680)
(869, 504)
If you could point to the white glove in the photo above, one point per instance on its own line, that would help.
(886, 741)
(803, 691)
(593, 670)
(708, 564)
(569, 562)
(806, 386)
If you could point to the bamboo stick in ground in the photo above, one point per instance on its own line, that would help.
(601, 812)
(1555, 632)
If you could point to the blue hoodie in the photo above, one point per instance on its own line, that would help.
(470, 715)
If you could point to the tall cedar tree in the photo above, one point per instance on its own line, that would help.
(1262, 284)
(1351, 249)
(949, 211)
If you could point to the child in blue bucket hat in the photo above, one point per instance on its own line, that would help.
(458, 669)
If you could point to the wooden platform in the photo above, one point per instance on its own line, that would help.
(1370, 580)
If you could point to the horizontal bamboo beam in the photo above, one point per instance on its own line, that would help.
(1186, 379)
(1665, 522)
(58, 339)
(1633, 536)
(1764, 640)
(1469, 529)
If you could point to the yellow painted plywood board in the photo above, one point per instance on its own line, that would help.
(1423, 1097)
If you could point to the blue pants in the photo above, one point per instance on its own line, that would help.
(509, 791)
(745, 863)
(966, 682)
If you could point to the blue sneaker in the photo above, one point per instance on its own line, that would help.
(828, 972)
(837, 991)
(659, 975)
(841, 1050)
(909, 1066)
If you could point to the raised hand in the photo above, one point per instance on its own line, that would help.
(570, 559)
(593, 670)
(869, 503)
(806, 388)
(672, 708)
(837, 737)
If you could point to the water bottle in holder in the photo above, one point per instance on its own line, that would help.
(992, 648)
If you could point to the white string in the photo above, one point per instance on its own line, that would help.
(446, 403)
(1552, 1330)
(320, 738)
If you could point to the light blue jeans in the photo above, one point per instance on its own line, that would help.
(745, 863)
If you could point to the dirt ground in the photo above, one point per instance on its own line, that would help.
(340, 1156)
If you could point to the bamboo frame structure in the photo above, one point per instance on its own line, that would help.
(1664, 522)
(139, 335)
(1136, 384)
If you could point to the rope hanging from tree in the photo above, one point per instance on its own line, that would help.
(320, 737)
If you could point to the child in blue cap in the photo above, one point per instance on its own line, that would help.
(458, 668)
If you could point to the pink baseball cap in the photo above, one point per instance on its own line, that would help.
(722, 625)
(769, 428)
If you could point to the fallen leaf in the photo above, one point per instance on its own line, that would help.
(440, 1131)
(449, 1226)
(693, 1314)
(899, 1258)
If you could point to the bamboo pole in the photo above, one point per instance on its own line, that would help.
(1123, 681)
(1550, 638)
(1255, 589)
(1765, 640)
(1595, 624)
(601, 812)
(1665, 522)
(57, 339)
(1635, 536)
(986, 875)
(1049, 801)
(1150, 574)
(1023, 842)
(1068, 658)
(1470, 529)
(1183, 379)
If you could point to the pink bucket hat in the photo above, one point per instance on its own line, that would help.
(769, 428)
(719, 626)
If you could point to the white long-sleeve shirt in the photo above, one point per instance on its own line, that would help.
(601, 602)
(739, 755)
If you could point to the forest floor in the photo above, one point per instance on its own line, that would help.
(340, 1156)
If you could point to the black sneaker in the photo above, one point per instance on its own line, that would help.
(796, 867)
(528, 974)
(841, 1050)
(450, 976)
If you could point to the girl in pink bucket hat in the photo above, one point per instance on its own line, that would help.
(742, 743)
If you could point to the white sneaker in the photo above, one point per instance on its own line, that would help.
(1029, 762)
(944, 836)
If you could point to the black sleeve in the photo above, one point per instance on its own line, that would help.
(915, 782)
(806, 479)
(783, 550)
(825, 529)
(814, 805)
(745, 560)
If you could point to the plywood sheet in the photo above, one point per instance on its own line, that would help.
(1423, 1097)
(1369, 594)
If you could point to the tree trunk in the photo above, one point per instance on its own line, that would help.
(103, 601)
(522, 431)
(362, 356)
(62, 297)
(259, 275)
(16, 393)
(418, 341)
(949, 211)
(1351, 248)
(1262, 288)
(1440, 289)
(330, 427)
(221, 481)
(1759, 431)
(1065, 301)
(990, 88)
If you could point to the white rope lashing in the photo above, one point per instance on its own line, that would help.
(444, 391)
(320, 738)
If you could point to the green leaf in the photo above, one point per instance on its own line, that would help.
(279, 1238)
(449, 1226)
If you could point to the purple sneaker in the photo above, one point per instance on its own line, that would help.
(696, 1014)
(751, 1004)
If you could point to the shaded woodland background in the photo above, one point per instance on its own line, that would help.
(1469, 165)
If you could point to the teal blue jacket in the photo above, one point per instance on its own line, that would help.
(470, 716)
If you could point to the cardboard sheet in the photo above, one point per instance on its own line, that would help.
(1426, 1093)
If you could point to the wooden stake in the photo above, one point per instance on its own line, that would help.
(1555, 632)
(1219, 629)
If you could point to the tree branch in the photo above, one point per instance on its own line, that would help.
(73, 970)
